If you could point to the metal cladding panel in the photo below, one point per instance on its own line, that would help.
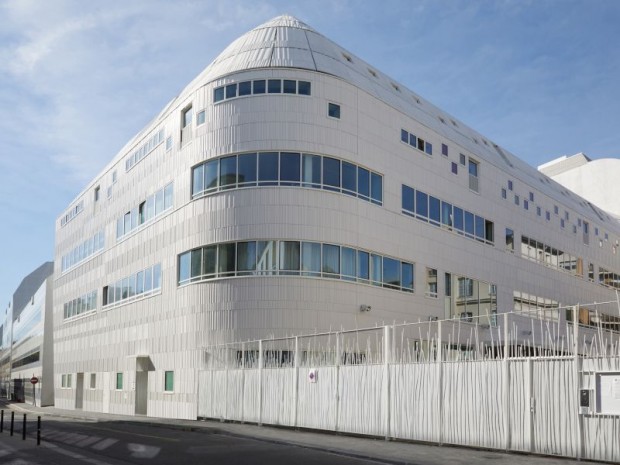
(253, 58)
(291, 37)
(286, 57)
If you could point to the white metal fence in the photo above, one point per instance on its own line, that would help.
(512, 386)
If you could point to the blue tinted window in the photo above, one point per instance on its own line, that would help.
(376, 188)
(363, 182)
(258, 86)
(268, 168)
(348, 264)
(408, 198)
(363, 270)
(407, 276)
(218, 94)
(311, 170)
(473, 168)
(455, 168)
(331, 259)
(290, 168)
(446, 214)
(458, 218)
(333, 110)
(444, 150)
(198, 180)
(303, 88)
(245, 88)
(247, 168)
(211, 174)
(226, 259)
(228, 172)
(311, 258)
(246, 256)
(412, 140)
(274, 86)
(231, 90)
(391, 273)
(184, 268)
(434, 209)
(349, 178)
(376, 269)
(469, 223)
(428, 148)
(289, 86)
(404, 136)
(331, 173)
(289, 256)
(421, 204)
(479, 227)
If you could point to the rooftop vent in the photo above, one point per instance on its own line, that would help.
(347, 57)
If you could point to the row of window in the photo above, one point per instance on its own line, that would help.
(550, 256)
(543, 308)
(72, 213)
(82, 304)
(150, 208)
(83, 251)
(66, 381)
(608, 278)
(286, 169)
(145, 149)
(430, 209)
(416, 142)
(261, 86)
(137, 285)
(260, 258)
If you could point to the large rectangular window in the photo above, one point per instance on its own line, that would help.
(119, 381)
(268, 168)
(348, 259)
(290, 169)
(246, 169)
(226, 259)
(169, 381)
(289, 257)
(331, 173)
(311, 258)
(331, 260)
(246, 257)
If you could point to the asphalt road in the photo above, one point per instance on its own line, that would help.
(68, 442)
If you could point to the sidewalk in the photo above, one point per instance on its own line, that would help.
(395, 452)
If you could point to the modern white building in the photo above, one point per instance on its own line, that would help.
(293, 187)
(26, 340)
(594, 180)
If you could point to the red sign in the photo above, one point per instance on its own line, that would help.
(34, 380)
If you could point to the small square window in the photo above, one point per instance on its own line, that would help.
(245, 88)
(93, 380)
(303, 88)
(531, 196)
(114, 177)
(562, 224)
(200, 118)
(119, 381)
(218, 94)
(274, 86)
(526, 204)
(606, 236)
(556, 210)
(168, 143)
(333, 110)
(548, 215)
(579, 222)
(97, 193)
(428, 148)
(444, 150)
(404, 136)
(509, 185)
(289, 86)
(455, 168)
(462, 159)
(231, 91)
(259, 86)
(574, 229)
(413, 140)
(539, 211)
(169, 381)
(566, 215)
(596, 231)
(421, 144)
(504, 193)
(517, 200)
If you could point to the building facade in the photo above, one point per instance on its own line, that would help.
(26, 348)
(293, 187)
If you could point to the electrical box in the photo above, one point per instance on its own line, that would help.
(586, 401)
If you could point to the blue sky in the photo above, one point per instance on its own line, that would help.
(79, 78)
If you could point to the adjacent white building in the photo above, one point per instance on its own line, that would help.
(26, 340)
(294, 187)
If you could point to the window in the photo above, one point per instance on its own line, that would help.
(186, 117)
(462, 159)
(200, 118)
(97, 193)
(218, 94)
(548, 215)
(333, 110)
(538, 211)
(555, 210)
(93, 380)
(531, 196)
(168, 143)
(289, 86)
(245, 88)
(119, 381)
(261, 86)
(517, 200)
(444, 150)
(510, 240)
(526, 205)
(231, 91)
(169, 381)
(303, 88)
(504, 193)
(473, 175)
(454, 168)
(509, 185)
(274, 86)
(431, 282)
